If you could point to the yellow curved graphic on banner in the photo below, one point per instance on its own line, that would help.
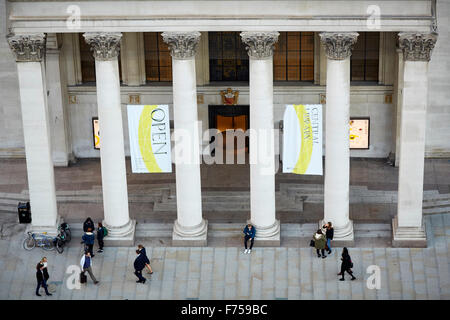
(145, 139)
(306, 149)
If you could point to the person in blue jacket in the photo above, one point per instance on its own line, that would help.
(88, 240)
(249, 232)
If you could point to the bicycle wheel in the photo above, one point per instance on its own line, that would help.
(47, 244)
(29, 243)
(59, 246)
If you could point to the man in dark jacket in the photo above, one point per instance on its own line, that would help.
(249, 232)
(329, 235)
(139, 265)
(41, 281)
(100, 236)
(88, 240)
(88, 224)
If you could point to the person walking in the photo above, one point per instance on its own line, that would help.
(45, 270)
(346, 265)
(41, 281)
(329, 234)
(144, 252)
(139, 265)
(88, 240)
(101, 233)
(86, 265)
(319, 243)
(249, 232)
(88, 223)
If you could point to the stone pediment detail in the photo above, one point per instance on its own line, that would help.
(338, 45)
(260, 44)
(417, 46)
(182, 45)
(104, 45)
(29, 47)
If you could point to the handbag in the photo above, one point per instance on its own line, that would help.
(83, 277)
(312, 243)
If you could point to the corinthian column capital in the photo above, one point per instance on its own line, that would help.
(260, 44)
(27, 48)
(338, 45)
(417, 46)
(104, 45)
(182, 45)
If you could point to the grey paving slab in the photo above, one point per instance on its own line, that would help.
(418, 271)
(243, 283)
(367, 260)
(293, 274)
(406, 276)
(306, 274)
(281, 273)
(431, 273)
(441, 251)
(155, 285)
(130, 286)
(318, 281)
(206, 273)
(343, 287)
(395, 284)
(168, 273)
(181, 274)
(268, 274)
(330, 277)
(380, 261)
(218, 284)
(357, 286)
(231, 273)
(193, 285)
(256, 274)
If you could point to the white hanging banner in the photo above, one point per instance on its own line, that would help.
(149, 133)
(302, 139)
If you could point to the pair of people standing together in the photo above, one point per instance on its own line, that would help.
(42, 276)
(89, 236)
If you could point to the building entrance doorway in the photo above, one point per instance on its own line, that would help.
(229, 117)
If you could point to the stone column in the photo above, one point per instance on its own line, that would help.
(57, 99)
(262, 151)
(190, 229)
(29, 51)
(338, 48)
(408, 228)
(105, 47)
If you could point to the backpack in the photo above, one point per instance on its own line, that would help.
(105, 232)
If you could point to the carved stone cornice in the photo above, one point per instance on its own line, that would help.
(416, 46)
(29, 47)
(182, 45)
(260, 44)
(104, 45)
(338, 45)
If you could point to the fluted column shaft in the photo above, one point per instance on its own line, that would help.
(338, 47)
(190, 229)
(262, 151)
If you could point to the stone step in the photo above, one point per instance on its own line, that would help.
(436, 210)
(436, 203)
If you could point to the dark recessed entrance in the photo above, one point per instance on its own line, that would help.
(229, 117)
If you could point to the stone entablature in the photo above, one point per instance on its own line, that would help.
(260, 44)
(104, 46)
(417, 46)
(28, 48)
(182, 45)
(338, 46)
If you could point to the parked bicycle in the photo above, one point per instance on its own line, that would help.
(64, 236)
(65, 231)
(38, 240)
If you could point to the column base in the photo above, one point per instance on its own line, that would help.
(268, 236)
(50, 230)
(408, 237)
(120, 236)
(190, 236)
(343, 236)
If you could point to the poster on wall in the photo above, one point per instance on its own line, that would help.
(359, 133)
(302, 139)
(149, 133)
(96, 130)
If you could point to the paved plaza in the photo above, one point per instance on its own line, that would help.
(226, 273)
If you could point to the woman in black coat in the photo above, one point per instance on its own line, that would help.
(41, 281)
(88, 224)
(346, 265)
(144, 252)
(139, 264)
